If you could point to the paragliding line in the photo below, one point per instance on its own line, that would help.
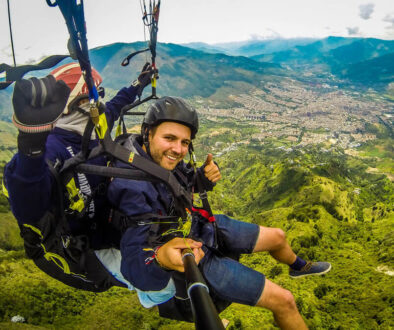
(9, 23)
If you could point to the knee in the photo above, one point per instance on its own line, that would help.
(270, 239)
(286, 303)
(279, 237)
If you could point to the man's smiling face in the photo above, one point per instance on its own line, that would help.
(169, 143)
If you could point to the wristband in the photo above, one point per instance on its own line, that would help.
(32, 145)
(157, 260)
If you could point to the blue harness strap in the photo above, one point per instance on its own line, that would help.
(74, 16)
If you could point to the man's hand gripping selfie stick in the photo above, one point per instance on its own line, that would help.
(204, 311)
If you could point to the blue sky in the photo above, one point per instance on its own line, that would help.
(40, 30)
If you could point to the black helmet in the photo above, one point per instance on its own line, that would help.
(170, 108)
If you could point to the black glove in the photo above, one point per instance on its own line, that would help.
(38, 104)
(145, 78)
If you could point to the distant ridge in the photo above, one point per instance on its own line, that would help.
(183, 71)
(360, 60)
(252, 47)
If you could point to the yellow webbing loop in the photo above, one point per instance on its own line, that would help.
(59, 261)
(183, 227)
(77, 202)
(5, 191)
(35, 229)
(50, 256)
(101, 126)
(131, 157)
(118, 130)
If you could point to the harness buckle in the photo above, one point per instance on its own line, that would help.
(203, 195)
(65, 241)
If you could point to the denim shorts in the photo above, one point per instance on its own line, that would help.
(229, 279)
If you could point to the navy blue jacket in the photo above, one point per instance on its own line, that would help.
(31, 186)
(137, 198)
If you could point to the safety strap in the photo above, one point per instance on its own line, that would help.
(152, 171)
(122, 221)
(62, 225)
(206, 210)
(116, 172)
(204, 213)
(86, 138)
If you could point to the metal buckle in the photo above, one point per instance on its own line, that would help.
(66, 241)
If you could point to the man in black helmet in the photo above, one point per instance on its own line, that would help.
(151, 247)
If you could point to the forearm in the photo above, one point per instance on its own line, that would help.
(138, 265)
(29, 185)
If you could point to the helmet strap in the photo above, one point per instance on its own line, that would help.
(193, 160)
(145, 139)
(74, 104)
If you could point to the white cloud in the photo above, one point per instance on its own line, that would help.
(351, 31)
(268, 34)
(211, 22)
(366, 10)
(389, 18)
(6, 51)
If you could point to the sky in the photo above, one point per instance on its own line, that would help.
(39, 30)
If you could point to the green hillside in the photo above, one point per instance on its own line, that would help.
(333, 205)
(329, 204)
(5, 104)
(8, 134)
(378, 70)
(362, 50)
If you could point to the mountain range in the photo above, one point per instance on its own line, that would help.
(343, 57)
(219, 70)
(183, 71)
(251, 47)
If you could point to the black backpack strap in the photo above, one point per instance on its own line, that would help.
(62, 226)
(86, 138)
(121, 221)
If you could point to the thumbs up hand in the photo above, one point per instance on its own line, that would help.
(211, 170)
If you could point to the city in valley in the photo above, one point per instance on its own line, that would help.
(321, 113)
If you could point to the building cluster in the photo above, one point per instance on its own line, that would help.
(306, 115)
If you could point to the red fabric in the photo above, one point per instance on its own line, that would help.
(72, 75)
(205, 214)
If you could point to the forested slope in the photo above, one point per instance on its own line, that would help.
(327, 202)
